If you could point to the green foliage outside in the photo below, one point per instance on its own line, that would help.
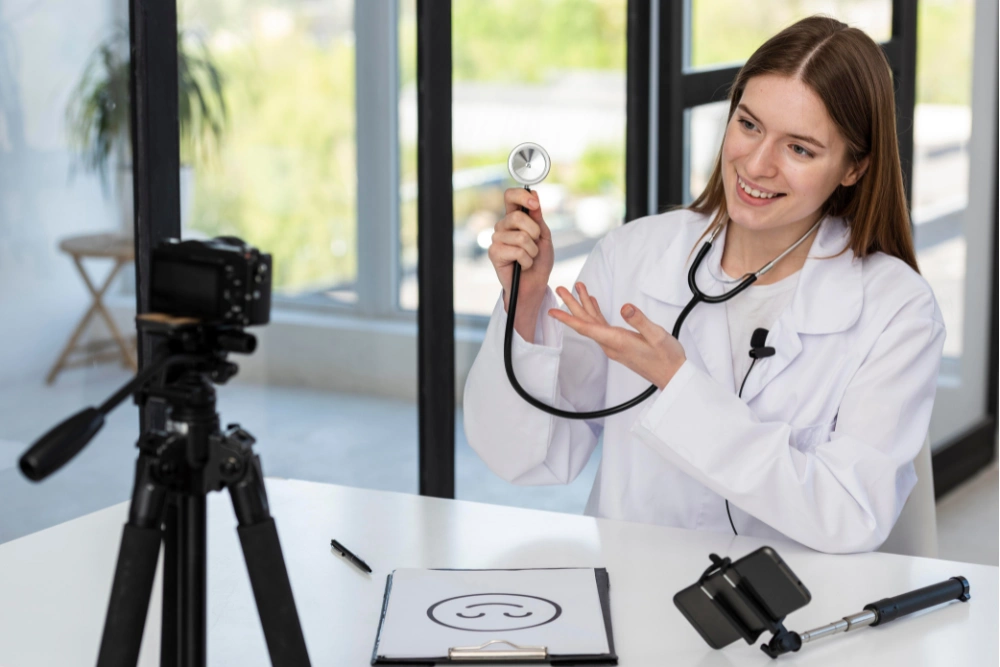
(944, 51)
(723, 31)
(523, 40)
(285, 179)
(285, 176)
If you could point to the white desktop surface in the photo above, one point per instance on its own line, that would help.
(54, 584)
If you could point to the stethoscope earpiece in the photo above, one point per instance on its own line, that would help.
(528, 164)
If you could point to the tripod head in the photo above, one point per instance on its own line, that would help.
(195, 358)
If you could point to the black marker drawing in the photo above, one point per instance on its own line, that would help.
(494, 612)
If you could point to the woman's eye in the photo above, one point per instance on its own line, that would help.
(799, 150)
(747, 125)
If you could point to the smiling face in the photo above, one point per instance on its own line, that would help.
(782, 157)
(494, 612)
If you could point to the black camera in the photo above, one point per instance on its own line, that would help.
(221, 281)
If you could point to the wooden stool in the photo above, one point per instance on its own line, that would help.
(121, 249)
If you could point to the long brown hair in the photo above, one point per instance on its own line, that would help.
(849, 72)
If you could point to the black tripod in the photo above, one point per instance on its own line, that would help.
(175, 471)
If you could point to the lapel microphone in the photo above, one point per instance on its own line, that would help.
(757, 348)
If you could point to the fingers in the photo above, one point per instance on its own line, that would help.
(586, 307)
(588, 302)
(651, 331)
(501, 254)
(518, 221)
(597, 310)
(518, 238)
(515, 198)
(584, 327)
(571, 303)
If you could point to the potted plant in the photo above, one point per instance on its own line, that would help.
(98, 116)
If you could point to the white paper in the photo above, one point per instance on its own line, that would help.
(431, 611)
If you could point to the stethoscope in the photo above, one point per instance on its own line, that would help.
(529, 165)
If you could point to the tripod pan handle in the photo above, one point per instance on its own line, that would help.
(60, 444)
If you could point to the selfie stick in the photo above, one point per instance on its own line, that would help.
(884, 611)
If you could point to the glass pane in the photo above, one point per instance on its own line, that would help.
(705, 127)
(329, 399)
(729, 31)
(941, 129)
(281, 171)
(556, 78)
(408, 154)
(54, 209)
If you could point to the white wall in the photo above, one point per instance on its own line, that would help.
(43, 48)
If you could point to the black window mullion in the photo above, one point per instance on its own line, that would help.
(707, 86)
(435, 261)
(637, 146)
(670, 106)
(156, 197)
(155, 152)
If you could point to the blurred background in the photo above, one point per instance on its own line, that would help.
(271, 92)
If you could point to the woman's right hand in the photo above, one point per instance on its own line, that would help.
(523, 238)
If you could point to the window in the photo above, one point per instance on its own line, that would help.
(555, 77)
(48, 201)
(942, 126)
(284, 174)
(725, 32)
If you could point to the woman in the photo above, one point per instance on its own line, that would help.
(817, 442)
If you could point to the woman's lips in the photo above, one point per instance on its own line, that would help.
(748, 198)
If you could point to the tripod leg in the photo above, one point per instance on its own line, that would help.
(170, 645)
(266, 567)
(133, 582)
(183, 641)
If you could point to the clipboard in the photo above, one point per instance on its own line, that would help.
(502, 650)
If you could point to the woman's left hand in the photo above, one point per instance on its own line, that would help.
(652, 352)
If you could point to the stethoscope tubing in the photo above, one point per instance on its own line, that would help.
(698, 297)
(508, 338)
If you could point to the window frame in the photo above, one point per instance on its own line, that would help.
(660, 89)
(680, 88)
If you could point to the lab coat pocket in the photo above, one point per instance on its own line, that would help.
(807, 438)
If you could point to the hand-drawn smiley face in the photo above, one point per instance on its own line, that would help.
(494, 612)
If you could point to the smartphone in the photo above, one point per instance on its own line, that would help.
(743, 600)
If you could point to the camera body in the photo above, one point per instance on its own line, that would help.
(222, 281)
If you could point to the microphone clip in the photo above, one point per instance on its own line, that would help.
(757, 348)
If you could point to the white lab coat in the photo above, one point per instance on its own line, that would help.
(819, 449)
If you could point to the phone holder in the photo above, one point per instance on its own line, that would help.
(754, 605)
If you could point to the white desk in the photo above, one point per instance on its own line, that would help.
(54, 584)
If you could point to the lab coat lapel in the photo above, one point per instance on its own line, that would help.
(787, 345)
(828, 299)
(705, 332)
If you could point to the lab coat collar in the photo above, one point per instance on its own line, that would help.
(827, 299)
(828, 296)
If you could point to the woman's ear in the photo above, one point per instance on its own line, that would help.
(856, 171)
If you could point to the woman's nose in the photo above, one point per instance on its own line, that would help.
(761, 161)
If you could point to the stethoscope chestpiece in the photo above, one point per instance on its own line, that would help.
(528, 164)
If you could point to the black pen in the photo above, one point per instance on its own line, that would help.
(345, 552)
